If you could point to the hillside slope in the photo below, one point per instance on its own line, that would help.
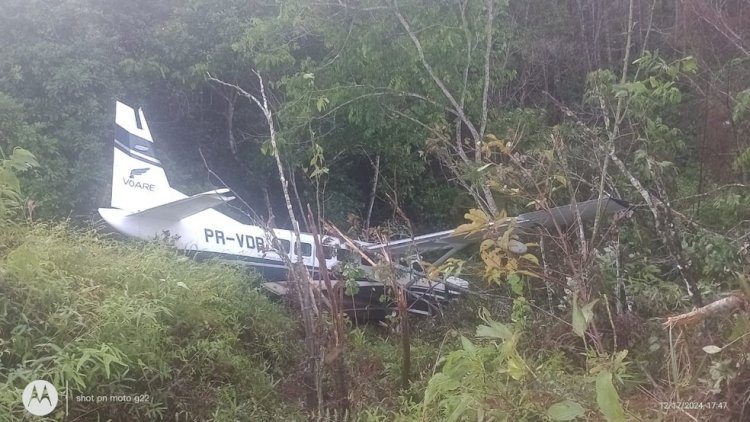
(136, 331)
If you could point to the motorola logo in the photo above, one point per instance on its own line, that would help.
(39, 398)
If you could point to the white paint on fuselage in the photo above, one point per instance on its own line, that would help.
(214, 232)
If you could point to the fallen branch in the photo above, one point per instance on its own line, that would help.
(736, 300)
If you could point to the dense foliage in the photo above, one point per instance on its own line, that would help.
(181, 340)
(393, 117)
(349, 85)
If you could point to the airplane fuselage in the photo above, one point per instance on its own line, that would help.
(145, 206)
(210, 233)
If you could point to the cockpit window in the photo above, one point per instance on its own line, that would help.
(286, 247)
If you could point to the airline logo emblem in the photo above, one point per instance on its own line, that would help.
(39, 398)
(137, 172)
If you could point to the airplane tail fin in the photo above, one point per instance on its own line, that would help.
(138, 179)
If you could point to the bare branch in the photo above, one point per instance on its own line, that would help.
(486, 89)
(469, 50)
(713, 17)
(439, 82)
(713, 191)
(375, 177)
(613, 131)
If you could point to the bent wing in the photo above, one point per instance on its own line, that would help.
(426, 243)
(558, 216)
(181, 208)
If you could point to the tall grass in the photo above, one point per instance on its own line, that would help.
(106, 318)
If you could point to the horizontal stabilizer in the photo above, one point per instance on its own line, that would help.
(181, 208)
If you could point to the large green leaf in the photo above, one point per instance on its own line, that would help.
(22, 159)
(494, 330)
(582, 316)
(565, 410)
(467, 345)
(607, 398)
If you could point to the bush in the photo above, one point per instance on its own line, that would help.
(105, 318)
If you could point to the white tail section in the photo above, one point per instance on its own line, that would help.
(138, 179)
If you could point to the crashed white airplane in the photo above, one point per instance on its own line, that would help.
(146, 207)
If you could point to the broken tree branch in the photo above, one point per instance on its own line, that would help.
(725, 306)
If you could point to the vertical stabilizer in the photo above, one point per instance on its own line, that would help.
(138, 179)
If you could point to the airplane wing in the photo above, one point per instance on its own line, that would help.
(181, 208)
(562, 216)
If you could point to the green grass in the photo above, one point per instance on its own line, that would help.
(111, 318)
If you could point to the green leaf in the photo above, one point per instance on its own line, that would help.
(108, 359)
(467, 345)
(689, 64)
(531, 258)
(621, 93)
(494, 330)
(22, 159)
(588, 311)
(84, 358)
(516, 283)
(266, 148)
(561, 179)
(741, 106)
(607, 398)
(582, 316)
(9, 183)
(579, 323)
(322, 103)
(458, 411)
(565, 411)
(516, 367)
(484, 167)
(620, 357)
(439, 384)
